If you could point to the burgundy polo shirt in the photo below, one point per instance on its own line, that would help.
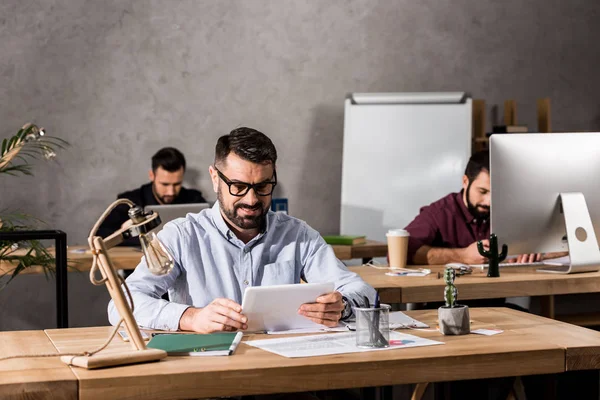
(445, 223)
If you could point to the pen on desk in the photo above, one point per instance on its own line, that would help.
(236, 342)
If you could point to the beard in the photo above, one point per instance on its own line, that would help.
(162, 199)
(479, 211)
(244, 222)
(166, 199)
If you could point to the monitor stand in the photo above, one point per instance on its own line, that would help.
(581, 237)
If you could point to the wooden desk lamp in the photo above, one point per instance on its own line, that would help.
(159, 262)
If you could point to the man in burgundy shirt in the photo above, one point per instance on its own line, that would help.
(448, 229)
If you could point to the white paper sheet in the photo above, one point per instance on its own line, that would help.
(564, 260)
(341, 328)
(333, 343)
(424, 272)
(398, 320)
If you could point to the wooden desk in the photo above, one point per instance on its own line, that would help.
(33, 378)
(366, 251)
(513, 282)
(80, 258)
(518, 351)
(582, 345)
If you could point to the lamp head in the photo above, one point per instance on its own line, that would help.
(158, 258)
(141, 223)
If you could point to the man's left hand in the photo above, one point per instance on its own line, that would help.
(326, 311)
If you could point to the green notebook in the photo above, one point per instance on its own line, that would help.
(214, 344)
(344, 239)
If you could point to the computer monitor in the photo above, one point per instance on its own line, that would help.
(546, 195)
(169, 212)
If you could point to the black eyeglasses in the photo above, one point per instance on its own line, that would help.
(240, 189)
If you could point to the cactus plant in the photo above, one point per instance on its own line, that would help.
(450, 291)
(453, 318)
(494, 258)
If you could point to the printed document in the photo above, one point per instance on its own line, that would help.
(333, 343)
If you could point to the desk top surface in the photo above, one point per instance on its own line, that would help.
(513, 281)
(31, 378)
(529, 345)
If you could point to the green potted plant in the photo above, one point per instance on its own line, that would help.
(16, 156)
(453, 318)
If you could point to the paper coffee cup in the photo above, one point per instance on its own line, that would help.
(397, 247)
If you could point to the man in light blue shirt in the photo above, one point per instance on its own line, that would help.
(239, 243)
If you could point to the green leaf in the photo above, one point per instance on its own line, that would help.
(11, 143)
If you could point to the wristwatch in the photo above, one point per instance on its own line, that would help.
(347, 311)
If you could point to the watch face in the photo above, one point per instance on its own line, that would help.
(347, 310)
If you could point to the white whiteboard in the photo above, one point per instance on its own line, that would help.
(401, 151)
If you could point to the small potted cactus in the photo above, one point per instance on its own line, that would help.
(453, 318)
(494, 258)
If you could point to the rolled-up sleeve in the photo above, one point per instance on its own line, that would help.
(321, 265)
(423, 231)
(150, 310)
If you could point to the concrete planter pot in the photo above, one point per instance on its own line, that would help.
(455, 320)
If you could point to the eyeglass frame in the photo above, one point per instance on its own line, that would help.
(249, 186)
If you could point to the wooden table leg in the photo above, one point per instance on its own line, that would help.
(547, 306)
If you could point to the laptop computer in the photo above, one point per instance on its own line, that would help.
(169, 212)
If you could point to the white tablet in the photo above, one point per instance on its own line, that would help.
(275, 308)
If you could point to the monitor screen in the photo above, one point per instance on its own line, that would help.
(528, 173)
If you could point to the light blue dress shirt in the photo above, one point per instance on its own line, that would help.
(211, 262)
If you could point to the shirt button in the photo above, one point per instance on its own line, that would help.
(246, 250)
(246, 282)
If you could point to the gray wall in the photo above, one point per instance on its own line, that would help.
(120, 79)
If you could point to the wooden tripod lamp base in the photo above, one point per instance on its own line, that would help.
(115, 359)
(138, 353)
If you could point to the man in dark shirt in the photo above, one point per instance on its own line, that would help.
(165, 187)
(448, 229)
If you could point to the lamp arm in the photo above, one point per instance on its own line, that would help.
(108, 211)
(135, 226)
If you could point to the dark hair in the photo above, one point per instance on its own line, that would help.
(478, 162)
(248, 144)
(169, 158)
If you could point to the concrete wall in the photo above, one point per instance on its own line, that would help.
(119, 79)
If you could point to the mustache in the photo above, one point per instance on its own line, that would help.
(257, 206)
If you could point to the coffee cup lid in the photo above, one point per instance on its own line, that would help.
(397, 232)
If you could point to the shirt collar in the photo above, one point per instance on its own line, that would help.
(224, 228)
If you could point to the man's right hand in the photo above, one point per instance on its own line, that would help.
(220, 315)
(470, 255)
